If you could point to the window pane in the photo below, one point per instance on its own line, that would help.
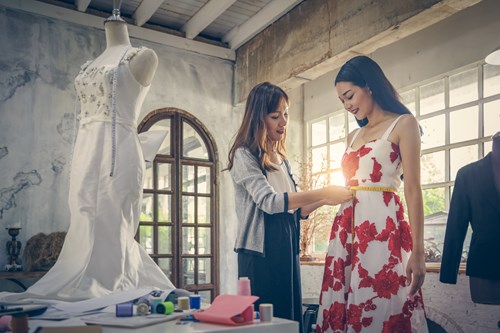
(147, 207)
(164, 240)
(460, 157)
(206, 296)
(188, 209)
(204, 270)
(203, 210)
(433, 168)
(188, 271)
(188, 240)
(163, 125)
(164, 175)
(148, 176)
(464, 124)
(337, 126)
(188, 178)
(204, 241)
(192, 144)
(488, 147)
(434, 200)
(491, 80)
(166, 266)
(434, 231)
(432, 97)
(434, 133)
(337, 178)
(164, 211)
(463, 87)
(146, 238)
(319, 159)
(491, 118)
(336, 153)
(408, 99)
(318, 133)
(352, 123)
(203, 179)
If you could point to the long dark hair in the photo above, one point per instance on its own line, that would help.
(263, 99)
(362, 71)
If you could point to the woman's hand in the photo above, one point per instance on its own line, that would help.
(337, 194)
(415, 272)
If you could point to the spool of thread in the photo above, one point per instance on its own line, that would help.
(165, 307)
(142, 309)
(183, 303)
(244, 289)
(244, 286)
(195, 302)
(124, 310)
(154, 301)
(266, 312)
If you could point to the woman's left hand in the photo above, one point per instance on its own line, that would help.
(415, 272)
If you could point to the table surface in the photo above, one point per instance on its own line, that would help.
(277, 325)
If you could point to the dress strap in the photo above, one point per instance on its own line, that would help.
(390, 128)
(354, 137)
(113, 113)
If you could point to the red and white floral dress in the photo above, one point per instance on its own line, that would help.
(364, 282)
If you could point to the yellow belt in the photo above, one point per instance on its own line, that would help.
(366, 188)
(372, 188)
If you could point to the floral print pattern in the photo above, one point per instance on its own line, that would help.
(364, 281)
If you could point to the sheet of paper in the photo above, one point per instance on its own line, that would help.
(108, 318)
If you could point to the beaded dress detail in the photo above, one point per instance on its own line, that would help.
(100, 255)
(363, 287)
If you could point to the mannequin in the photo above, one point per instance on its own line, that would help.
(487, 291)
(476, 200)
(142, 66)
(100, 255)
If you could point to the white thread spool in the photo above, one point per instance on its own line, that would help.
(266, 312)
(183, 303)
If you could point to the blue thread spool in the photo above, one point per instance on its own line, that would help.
(195, 301)
(124, 310)
(154, 303)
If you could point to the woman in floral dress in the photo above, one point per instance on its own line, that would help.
(375, 263)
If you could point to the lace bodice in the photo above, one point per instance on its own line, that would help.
(94, 87)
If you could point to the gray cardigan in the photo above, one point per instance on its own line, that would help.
(254, 197)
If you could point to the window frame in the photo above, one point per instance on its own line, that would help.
(479, 141)
(176, 160)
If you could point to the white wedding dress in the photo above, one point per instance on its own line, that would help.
(100, 255)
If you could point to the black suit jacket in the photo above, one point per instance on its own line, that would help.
(475, 200)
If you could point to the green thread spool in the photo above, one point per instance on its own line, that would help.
(165, 307)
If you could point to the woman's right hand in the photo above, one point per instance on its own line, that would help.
(335, 195)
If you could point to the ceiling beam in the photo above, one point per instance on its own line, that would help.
(82, 5)
(204, 16)
(145, 10)
(255, 24)
(76, 17)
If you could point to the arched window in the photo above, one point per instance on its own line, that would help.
(179, 215)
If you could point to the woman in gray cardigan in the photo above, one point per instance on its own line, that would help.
(269, 208)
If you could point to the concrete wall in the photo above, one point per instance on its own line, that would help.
(317, 36)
